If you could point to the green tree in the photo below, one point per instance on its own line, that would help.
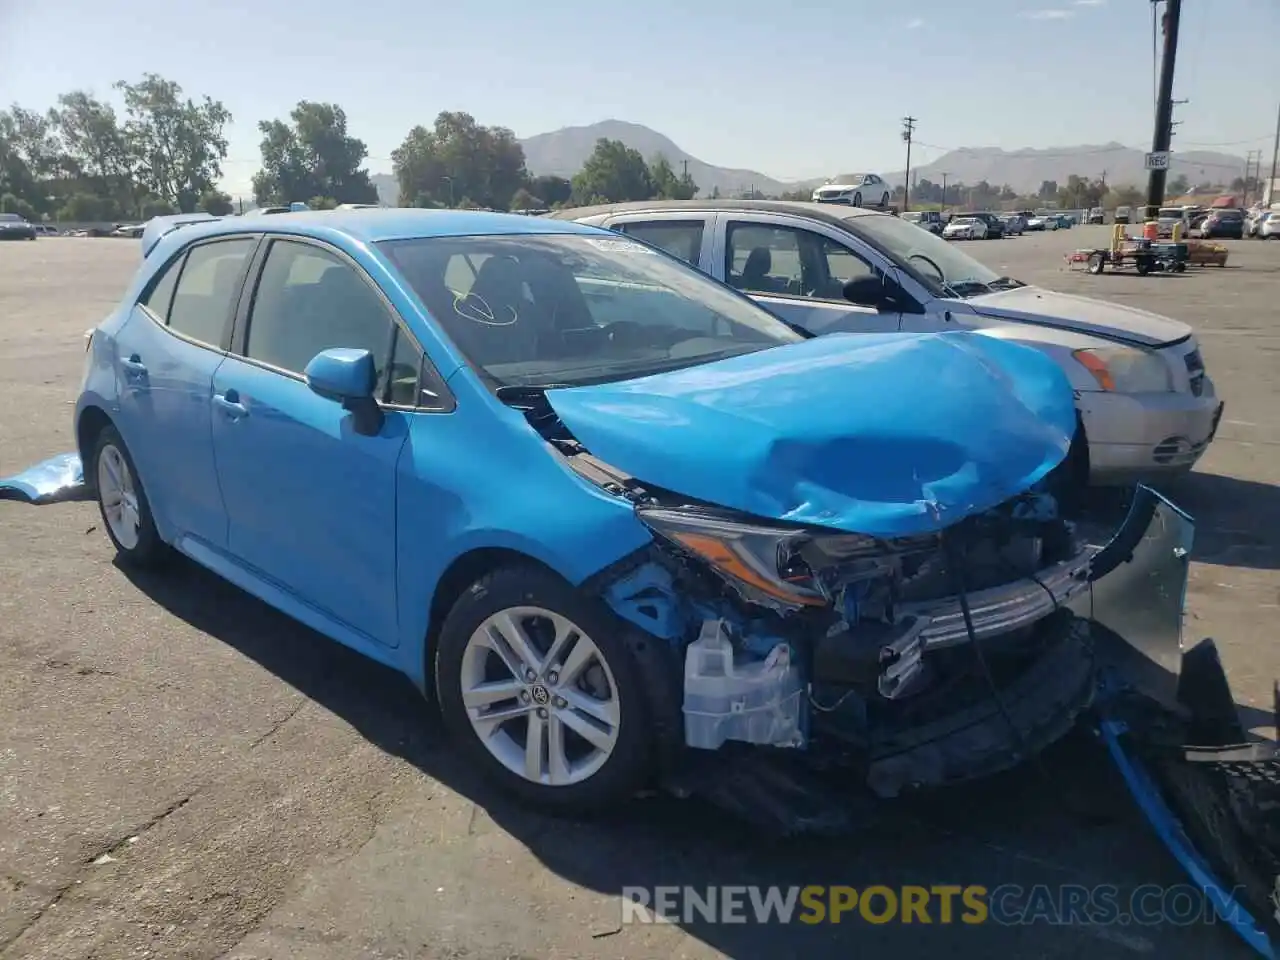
(178, 143)
(12, 204)
(312, 156)
(31, 155)
(552, 190)
(1125, 195)
(666, 185)
(97, 149)
(458, 157)
(217, 203)
(614, 172)
(325, 203)
(524, 200)
(1178, 186)
(159, 207)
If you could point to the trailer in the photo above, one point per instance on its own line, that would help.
(1139, 254)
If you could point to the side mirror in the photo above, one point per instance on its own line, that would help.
(348, 376)
(871, 291)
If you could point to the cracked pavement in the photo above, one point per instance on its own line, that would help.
(185, 773)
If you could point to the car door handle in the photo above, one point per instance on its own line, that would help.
(229, 403)
(134, 367)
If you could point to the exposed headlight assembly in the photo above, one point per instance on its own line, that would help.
(1126, 369)
(757, 557)
(773, 565)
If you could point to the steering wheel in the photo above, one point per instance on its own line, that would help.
(936, 269)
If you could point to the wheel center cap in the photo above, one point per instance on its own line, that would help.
(541, 696)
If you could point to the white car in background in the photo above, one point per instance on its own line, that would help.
(1269, 225)
(965, 228)
(1147, 406)
(855, 190)
(1042, 222)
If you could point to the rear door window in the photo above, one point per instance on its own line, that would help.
(208, 288)
(680, 238)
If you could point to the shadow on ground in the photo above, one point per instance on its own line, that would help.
(1237, 521)
(1057, 821)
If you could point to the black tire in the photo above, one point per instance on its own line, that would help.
(857, 199)
(884, 201)
(631, 763)
(150, 550)
(1097, 263)
(1142, 265)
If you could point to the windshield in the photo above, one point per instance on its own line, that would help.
(1170, 213)
(538, 310)
(944, 270)
(10, 218)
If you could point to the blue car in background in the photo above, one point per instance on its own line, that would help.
(610, 513)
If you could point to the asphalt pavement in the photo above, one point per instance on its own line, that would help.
(185, 773)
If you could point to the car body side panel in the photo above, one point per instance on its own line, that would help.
(311, 503)
(164, 387)
(481, 478)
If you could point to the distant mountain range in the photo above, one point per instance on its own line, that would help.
(563, 152)
(1025, 170)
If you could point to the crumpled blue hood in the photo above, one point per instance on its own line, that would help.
(888, 435)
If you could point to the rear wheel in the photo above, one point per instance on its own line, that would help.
(1142, 265)
(538, 687)
(884, 201)
(123, 503)
(857, 199)
(1097, 263)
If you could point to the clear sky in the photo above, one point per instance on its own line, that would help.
(798, 89)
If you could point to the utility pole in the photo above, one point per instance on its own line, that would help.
(1248, 173)
(1164, 107)
(944, 192)
(685, 165)
(1275, 155)
(908, 130)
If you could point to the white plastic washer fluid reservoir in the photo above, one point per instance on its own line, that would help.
(731, 698)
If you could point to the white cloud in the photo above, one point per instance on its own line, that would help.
(1090, 3)
(1049, 14)
(915, 24)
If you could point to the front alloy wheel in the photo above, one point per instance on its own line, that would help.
(540, 696)
(537, 683)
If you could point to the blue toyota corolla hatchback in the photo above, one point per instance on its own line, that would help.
(600, 506)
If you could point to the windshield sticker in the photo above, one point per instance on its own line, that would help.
(610, 245)
(477, 310)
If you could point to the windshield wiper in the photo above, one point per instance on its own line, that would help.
(1005, 283)
(968, 288)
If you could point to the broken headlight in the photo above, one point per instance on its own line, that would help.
(786, 565)
(753, 556)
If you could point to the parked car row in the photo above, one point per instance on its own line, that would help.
(628, 482)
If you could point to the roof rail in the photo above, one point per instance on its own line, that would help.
(158, 228)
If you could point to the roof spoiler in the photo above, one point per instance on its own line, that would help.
(158, 228)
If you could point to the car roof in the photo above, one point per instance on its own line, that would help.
(832, 213)
(394, 223)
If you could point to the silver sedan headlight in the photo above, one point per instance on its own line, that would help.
(1126, 369)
